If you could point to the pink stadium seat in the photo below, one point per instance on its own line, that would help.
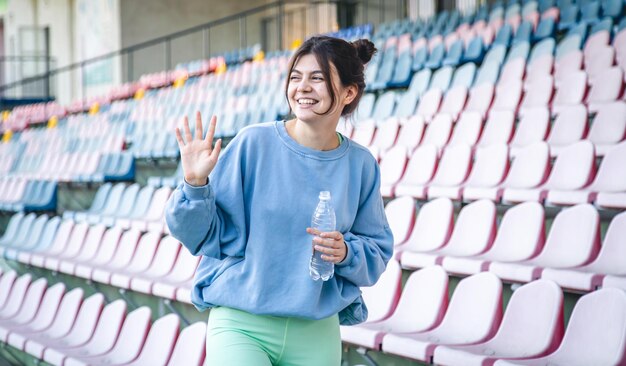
(610, 182)
(159, 343)
(422, 304)
(473, 234)
(521, 236)
(15, 297)
(596, 41)
(96, 244)
(181, 275)
(454, 167)
(142, 258)
(467, 129)
(123, 255)
(539, 69)
(364, 132)
(419, 172)
(528, 172)
(386, 134)
(611, 260)
(161, 265)
(573, 170)
(569, 126)
(498, 128)
(538, 93)
(568, 64)
(73, 248)
(574, 240)
(105, 253)
(70, 329)
(411, 132)
(58, 246)
(52, 321)
(392, 167)
(512, 71)
(533, 127)
(128, 343)
(606, 87)
(401, 216)
(489, 169)
(27, 306)
(438, 131)
(95, 236)
(190, 347)
(96, 339)
(473, 315)
(608, 127)
(532, 326)
(570, 91)
(454, 101)
(480, 99)
(382, 298)
(429, 104)
(595, 334)
(432, 229)
(508, 96)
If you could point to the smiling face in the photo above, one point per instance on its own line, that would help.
(309, 96)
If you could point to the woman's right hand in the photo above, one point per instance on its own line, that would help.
(196, 154)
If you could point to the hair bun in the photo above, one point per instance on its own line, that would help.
(365, 49)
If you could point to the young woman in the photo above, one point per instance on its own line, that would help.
(250, 219)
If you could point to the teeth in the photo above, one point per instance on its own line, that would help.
(306, 101)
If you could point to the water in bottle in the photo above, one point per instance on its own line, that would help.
(324, 221)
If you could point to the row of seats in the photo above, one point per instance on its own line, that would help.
(63, 327)
(471, 328)
(517, 250)
(146, 263)
(19, 194)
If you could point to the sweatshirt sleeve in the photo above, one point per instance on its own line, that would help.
(369, 241)
(209, 220)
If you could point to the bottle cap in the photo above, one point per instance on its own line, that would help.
(324, 195)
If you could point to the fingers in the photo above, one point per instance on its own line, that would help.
(188, 136)
(179, 139)
(199, 133)
(330, 244)
(216, 150)
(211, 132)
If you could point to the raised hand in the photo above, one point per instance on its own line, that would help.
(196, 153)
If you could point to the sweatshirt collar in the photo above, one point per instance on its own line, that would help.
(306, 151)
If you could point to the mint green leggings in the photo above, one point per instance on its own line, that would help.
(238, 338)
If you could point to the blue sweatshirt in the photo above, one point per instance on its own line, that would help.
(249, 224)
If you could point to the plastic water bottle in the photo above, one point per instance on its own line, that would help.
(324, 221)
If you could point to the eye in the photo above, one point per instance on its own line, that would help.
(318, 78)
(294, 78)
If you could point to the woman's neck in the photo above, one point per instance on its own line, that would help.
(318, 135)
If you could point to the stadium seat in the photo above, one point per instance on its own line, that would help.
(532, 127)
(429, 104)
(159, 343)
(432, 228)
(419, 171)
(438, 131)
(608, 262)
(452, 171)
(473, 233)
(480, 99)
(610, 182)
(595, 333)
(498, 129)
(454, 101)
(538, 93)
(569, 126)
(467, 129)
(529, 170)
(411, 132)
(573, 240)
(421, 306)
(464, 76)
(489, 169)
(392, 167)
(401, 216)
(532, 325)
(73, 247)
(190, 346)
(608, 127)
(473, 315)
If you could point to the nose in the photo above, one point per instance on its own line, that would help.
(304, 85)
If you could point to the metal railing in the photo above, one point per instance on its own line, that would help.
(274, 26)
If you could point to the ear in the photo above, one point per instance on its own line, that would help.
(350, 93)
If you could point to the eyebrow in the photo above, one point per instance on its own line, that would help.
(314, 72)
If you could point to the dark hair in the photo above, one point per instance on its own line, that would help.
(348, 58)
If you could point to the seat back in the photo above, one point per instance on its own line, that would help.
(382, 298)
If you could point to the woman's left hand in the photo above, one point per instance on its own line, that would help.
(331, 244)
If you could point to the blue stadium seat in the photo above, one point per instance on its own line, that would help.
(524, 33)
(487, 73)
(435, 58)
(612, 8)
(420, 81)
(520, 50)
(503, 37)
(605, 24)
(569, 17)
(454, 55)
(590, 12)
(402, 72)
(407, 103)
(419, 58)
(464, 76)
(545, 29)
(384, 106)
(475, 50)
(441, 79)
